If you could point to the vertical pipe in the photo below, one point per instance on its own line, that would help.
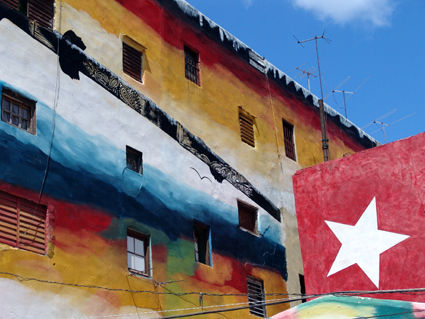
(325, 147)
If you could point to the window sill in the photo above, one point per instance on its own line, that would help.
(256, 234)
(137, 273)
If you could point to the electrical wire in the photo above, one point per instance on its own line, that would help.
(248, 304)
(197, 293)
(55, 104)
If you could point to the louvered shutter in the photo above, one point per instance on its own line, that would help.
(14, 4)
(22, 223)
(246, 122)
(132, 61)
(256, 296)
(41, 11)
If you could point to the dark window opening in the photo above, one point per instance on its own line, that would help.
(256, 297)
(246, 123)
(134, 160)
(132, 61)
(23, 223)
(138, 259)
(201, 234)
(247, 217)
(302, 286)
(18, 111)
(41, 11)
(191, 59)
(288, 136)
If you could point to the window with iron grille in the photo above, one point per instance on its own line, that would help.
(247, 217)
(288, 136)
(41, 11)
(18, 111)
(134, 160)
(201, 234)
(246, 123)
(256, 297)
(132, 60)
(138, 259)
(191, 59)
(23, 223)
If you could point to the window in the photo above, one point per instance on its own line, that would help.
(22, 223)
(191, 59)
(41, 11)
(302, 286)
(288, 137)
(246, 123)
(134, 160)
(256, 298)
(18, 111)
(132, 60)
(247, 217)
(138, 253)
(201, 234)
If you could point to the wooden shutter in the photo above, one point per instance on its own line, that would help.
(256, 296)
(288, 135)
(14, 4)
(22, 223)
(246, 122)
(41, 11)
(132, 61)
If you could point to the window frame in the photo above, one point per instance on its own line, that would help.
(22, 103)
(197, 228)
(254, 297)
(247, 210)
(192, 63)
(289, 140)
(138, 168)
(246, 126)
(31, 220)
(135, 235)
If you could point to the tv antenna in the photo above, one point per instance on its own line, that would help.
(343, 95)
(379, 118)
(325, 146)
(386, 125)
(308, 74)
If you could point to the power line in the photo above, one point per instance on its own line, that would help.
(197, 293)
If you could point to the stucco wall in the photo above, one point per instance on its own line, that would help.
(94, 198)
(211, 110)
(361, 221)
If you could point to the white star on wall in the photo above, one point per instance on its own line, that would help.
(363, 243)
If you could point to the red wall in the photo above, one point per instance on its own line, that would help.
(339, 191)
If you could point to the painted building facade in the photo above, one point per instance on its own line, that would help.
(361, 222)
(131, 193)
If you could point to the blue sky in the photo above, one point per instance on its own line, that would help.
(378, 45)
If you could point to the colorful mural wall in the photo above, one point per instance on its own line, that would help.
(354, 307)
(73, 162)
(361, 221)
(162, 29)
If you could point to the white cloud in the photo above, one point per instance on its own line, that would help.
(376, 12)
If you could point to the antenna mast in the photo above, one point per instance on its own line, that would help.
(325, 146)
